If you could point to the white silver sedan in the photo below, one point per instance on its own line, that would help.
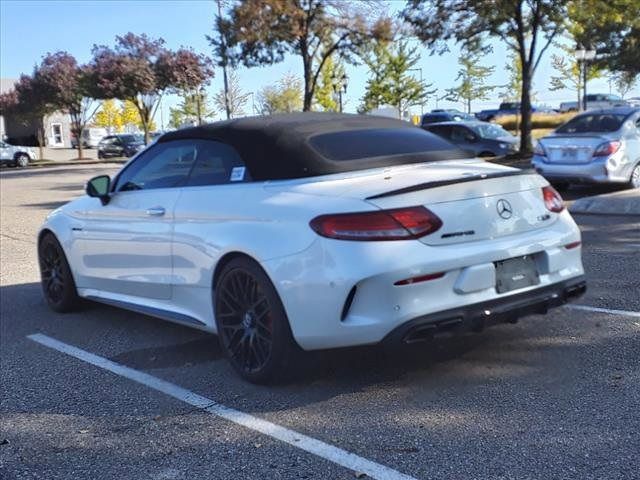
(313, 231)
(598, 146)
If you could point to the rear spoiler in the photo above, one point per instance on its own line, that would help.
(453, 181)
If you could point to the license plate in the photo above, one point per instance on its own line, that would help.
(570, 154)
(516, 273)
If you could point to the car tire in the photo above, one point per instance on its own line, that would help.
(252, 324)
(486, 155)
(58, 285)
(100, 155)
(22, 160)
(634, 179)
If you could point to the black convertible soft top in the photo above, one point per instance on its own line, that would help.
(308, 144)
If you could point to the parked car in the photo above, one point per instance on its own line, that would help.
(634, 102)
(595, 100)
(90, 137)
(440, 115)
(313, 231)
(601, 146)
(16, 156)
(121, 145)
(482, 139)
(506, 108)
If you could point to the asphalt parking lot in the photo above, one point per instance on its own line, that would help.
(554, 396)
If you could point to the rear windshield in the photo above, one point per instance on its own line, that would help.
(358, 144)
(593, 123)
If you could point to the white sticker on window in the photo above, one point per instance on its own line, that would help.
(237, 174)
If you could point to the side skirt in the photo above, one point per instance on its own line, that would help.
(167, 315)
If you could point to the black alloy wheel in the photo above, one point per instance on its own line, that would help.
(252, 325)
(58, 286)
(22, 160)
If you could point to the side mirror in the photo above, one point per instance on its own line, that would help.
(98, 187)
(471, 138)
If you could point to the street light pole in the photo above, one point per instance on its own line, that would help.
(339, 87)
(583, 56)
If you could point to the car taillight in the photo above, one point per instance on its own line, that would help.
(539, 150)
(607, 148)
(396, 224)
(552, 199)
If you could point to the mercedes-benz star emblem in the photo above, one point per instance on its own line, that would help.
(504, 209)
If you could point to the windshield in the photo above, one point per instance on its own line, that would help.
(131, 138)
(491, 131)
(593, 123)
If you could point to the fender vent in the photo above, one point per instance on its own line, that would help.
(348, 302)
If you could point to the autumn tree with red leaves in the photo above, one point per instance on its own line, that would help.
(140, 69)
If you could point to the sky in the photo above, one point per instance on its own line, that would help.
(30, 29)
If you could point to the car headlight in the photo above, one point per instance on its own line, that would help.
(504, 146)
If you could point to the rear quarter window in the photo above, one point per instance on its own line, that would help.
(359, 144)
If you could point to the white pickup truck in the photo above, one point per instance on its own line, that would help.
(595, 100)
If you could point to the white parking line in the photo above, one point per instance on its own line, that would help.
(627, 313)
(303, 442)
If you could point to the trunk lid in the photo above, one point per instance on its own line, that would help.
(468, 196)
(479, 210)
(571, 150)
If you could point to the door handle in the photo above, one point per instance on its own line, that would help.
(155, 211)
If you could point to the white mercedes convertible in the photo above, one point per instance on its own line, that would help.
(313, 231)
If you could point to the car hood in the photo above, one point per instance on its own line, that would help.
(507, 139)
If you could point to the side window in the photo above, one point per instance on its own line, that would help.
(216, 164)
(638, 124)
(165, 165)
(460, 134)
(444, 131)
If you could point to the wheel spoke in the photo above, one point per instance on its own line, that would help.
(243, 314)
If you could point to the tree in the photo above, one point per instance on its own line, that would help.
(324, 94)
(221, 52)
(570, 73)
(391, 83)
(612, 28)
(624, 82)
(177, 119)
(512, 90)
(472, 77)
(527, 27)
(28, 102)
(235, 99)
(284, 97)
(195, 106)
(140, 69)
(131, 119)
(109, 116)
(262, 32)
(66, 87)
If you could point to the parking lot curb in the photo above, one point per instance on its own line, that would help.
(626, 202)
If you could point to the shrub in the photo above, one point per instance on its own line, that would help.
(538, 120)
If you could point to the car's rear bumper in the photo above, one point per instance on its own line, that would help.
(597, 171)
(477, 316)
(339, 294)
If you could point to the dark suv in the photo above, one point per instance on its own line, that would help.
(437, 116)
(480, 138)
(122, 145)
